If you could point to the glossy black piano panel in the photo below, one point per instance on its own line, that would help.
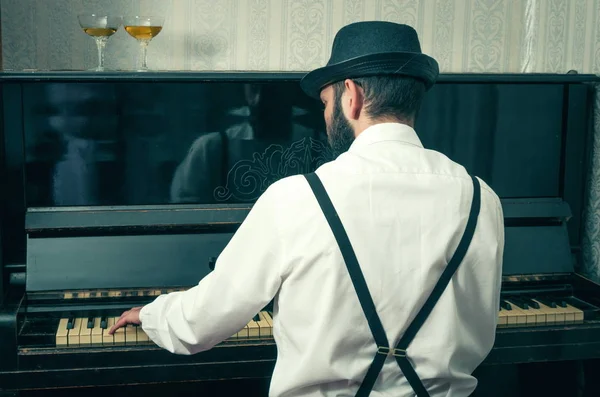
(121, 261)
(137, 143)
(218, 142)
(507, 134)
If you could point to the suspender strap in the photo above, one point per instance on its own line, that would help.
(405, 365)
(366, 301)
(448, 272)
(358, 280)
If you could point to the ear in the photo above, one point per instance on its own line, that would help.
(353, 100)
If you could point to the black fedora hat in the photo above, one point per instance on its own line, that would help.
(373, 48)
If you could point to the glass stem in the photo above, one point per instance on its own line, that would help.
(100, 43)
(144, 52)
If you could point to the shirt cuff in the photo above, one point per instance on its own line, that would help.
(149, 321)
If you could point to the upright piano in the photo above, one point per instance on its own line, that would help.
(118, 187)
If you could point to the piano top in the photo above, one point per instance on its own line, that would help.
(188, 75)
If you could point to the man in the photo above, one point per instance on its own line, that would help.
(268, 119)
(347, 295)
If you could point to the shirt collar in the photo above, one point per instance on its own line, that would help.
(386, 132)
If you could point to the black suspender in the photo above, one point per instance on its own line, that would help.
(360, 285)
(366, 301)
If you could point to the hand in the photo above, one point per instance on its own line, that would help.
(129, 317)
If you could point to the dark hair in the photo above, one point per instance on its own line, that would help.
(396, 97)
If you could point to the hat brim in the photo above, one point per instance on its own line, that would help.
(410, 64)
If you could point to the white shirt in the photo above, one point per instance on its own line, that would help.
(405, 209)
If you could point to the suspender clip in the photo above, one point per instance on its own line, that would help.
(388, 351)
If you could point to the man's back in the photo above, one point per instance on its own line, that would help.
(404, 209)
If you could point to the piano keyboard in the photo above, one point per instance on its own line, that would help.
(93, 332)
(261, 326)
(522, 311)
(513, 312)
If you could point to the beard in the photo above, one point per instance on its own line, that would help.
(340, 134)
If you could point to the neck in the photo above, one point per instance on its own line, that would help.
(363, 124)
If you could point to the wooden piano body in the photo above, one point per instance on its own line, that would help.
(91, 226)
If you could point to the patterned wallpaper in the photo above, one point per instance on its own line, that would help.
(296, 35)
(591, 232)
(464, 35)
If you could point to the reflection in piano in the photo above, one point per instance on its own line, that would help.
(116, 199)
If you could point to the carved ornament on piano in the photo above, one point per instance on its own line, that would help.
(248, 179)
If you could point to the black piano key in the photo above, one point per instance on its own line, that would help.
(104, 294)
(71, 323)
(547, 301)
(557, 301)
(90, 322)
(531, 303)
(103, 322)
(525, 303)
(256, 318)
(561, 303)
(505, 305)
(519, 302)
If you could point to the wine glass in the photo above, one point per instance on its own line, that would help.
(100, 27)
(143, 29)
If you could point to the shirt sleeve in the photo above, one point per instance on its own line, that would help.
(247, 276)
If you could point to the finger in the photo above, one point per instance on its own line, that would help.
(119, 324)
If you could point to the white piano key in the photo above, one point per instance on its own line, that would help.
(62, 333)
(142, 338)
(96, 338)
(74, 332)
(265, 328)
(119, 335)
(107, 339)
(130, 335)
(85, 335)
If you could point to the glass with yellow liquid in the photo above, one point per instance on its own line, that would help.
(100, 28)
(143, 29)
